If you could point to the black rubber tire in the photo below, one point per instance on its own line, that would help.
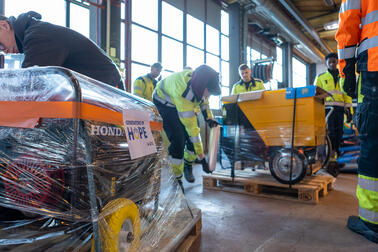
(278, 153)
(254, 67)
(265, 79)
(261, 73)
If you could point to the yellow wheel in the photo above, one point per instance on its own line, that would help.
(119, 225)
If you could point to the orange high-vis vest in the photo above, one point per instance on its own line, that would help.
(358, 34)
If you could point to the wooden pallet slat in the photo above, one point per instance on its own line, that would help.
(309, 190)
(187, 239)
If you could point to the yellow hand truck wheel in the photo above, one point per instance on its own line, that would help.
(119, 225)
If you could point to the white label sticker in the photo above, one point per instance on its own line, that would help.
(138, 133)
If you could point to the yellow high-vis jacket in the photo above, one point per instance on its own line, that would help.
(242, 87)
(175, 91)
(144, 87)
(326, 82)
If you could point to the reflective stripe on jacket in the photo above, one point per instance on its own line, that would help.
(241, 87)
(174, 91)
(358, 30)
(144, 87)
(367, 194)
(326, 82)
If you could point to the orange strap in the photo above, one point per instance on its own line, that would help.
(15, 113)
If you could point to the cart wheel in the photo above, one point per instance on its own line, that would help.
(279, 165)
(119, 225)
(328, 151)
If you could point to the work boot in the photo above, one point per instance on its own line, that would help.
(179, 181)
(188, 173)
(333, 168)
(205, 166)
(357, 225)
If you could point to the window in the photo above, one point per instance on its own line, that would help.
(249, 56)
(255, 55)
(53, 11)
(224, 23)
(141, 52)
(194, 57)
(122, 49)
(225, 57)
(136, 71)
(225, 47)
(79, 19)
(212, 40)
(277, 68)
(13, 61)
(299, 73)
(212, 61)
(172, 19)
(165, 73)
(145, 12)
(214, 102)
(123, 10)
(172, 54)
(145, 37)
(195, 31)
(225, 78)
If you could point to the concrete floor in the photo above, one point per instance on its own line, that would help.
(236, 222)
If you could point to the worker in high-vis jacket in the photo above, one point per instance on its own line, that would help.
(144, 85)
(357, 35)
(176, 97)
(246, 83)
(340, 101)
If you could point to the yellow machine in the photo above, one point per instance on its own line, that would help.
(283, 127)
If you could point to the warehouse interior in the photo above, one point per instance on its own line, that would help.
(239, 206)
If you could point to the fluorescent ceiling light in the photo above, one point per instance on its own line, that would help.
(331, 25)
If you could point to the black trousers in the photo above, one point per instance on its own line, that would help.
(367, 125)
(175, 130)
(336, 127)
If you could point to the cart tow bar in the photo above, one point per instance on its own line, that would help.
(292, 137)
(236, 142)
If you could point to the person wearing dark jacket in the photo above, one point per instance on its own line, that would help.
(45, 44)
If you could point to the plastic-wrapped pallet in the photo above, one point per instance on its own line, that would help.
(261, 127)
(82, 167)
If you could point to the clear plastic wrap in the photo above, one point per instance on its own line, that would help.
(258, 132)
(67, 181)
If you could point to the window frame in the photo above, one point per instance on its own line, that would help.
(127, 19)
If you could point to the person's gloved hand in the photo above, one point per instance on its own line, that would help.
(348, 114)
(212, 123)
(350, 85)
(205, 166)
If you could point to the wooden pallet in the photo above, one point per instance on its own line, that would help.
(263, 184)
(188, 240)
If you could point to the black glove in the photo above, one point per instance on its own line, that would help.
(205, 166)
(350, 84)
(348, 114)
(212, 123)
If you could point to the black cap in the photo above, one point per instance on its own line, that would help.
(205, 77)
(213, 85)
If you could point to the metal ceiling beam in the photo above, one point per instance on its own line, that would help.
(270, 10)
(321, 20)
(328, 34)
(290, 7)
